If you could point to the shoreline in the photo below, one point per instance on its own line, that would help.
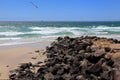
(9, 60)
(37, 44)
(27, 41)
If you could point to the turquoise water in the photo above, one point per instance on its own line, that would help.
(23, 30)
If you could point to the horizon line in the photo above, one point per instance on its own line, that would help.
(57, 21)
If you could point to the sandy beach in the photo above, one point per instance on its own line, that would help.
(11, 56)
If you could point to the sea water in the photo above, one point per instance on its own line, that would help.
(17, 32)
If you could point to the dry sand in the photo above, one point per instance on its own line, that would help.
(113, 46)
(12, 56)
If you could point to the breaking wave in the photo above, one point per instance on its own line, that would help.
(59, 31)
(17, 31)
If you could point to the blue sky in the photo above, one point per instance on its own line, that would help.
(60, 10)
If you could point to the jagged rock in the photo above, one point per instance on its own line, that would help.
(72, 59)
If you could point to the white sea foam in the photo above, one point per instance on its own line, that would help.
(12, 33)
(53, 30)
(7, 26)
(105, 28)
(11, 38)
(14, 43)
(35, 28)
(60, 29)
(42, 32)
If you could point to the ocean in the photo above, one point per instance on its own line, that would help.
(18, 32)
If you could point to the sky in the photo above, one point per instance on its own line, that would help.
(60, 10)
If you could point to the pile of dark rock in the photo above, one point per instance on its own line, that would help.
(71, 59)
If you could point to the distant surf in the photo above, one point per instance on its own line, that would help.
(31, 30)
